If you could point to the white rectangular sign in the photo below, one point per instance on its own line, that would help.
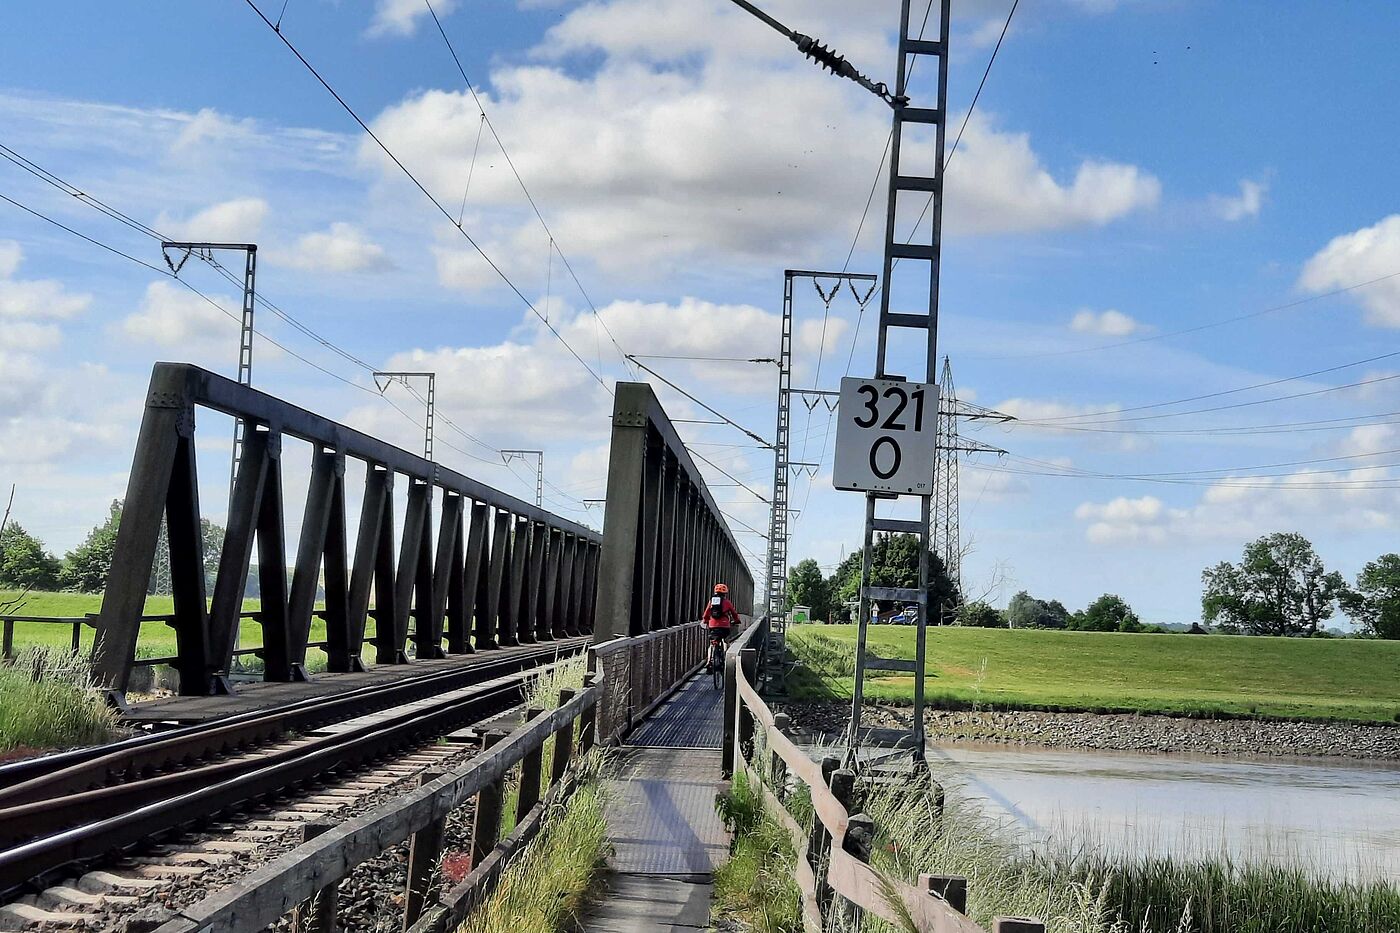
(886, 435)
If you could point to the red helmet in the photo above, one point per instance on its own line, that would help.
(721, 588)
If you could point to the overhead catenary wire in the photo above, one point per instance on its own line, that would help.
(486, 120)
(260, 334)
(429, 195)
(703, 405)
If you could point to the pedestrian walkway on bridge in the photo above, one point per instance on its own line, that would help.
(666, 836)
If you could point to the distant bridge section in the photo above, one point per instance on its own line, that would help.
(666, 543)
(502, 572)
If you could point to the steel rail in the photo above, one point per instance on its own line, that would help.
(84, 769)
(115, 826)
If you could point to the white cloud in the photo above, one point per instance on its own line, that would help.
(670, 147)
(530, 389)
(27, 336)
(209, 125)
(1108, 323)
(236, 221)
(170, 316)
(1034, 410)
(1353, 258)
(1246, 204)
(401, 17)
(342, 248)
(1002, 187)
(35, 298)
(10, 256)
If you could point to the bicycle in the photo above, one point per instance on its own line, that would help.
(716, 661)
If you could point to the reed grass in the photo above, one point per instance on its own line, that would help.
(47, 701)
(545, 888)
(755, 888)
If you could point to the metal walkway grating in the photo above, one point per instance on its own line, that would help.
(692, 718)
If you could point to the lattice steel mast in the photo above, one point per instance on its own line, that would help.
(783, 467)
(245, 334)
(947, 538)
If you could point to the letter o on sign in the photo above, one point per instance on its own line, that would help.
(885, 457)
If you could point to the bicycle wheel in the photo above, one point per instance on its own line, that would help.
(717, 668)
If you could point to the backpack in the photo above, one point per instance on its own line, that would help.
(717, 607)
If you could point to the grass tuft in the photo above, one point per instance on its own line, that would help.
(47, 701)
(543, 890)
(755, 888)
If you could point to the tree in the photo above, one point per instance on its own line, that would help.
(1280, 587)
(24, 564)
(807, 587)
(1108, 613)
(1025, 611)
(980, 615)
(85, 568)
(894, 561)
(1375, 602)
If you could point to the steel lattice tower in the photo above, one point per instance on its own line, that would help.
(947, 538)
(778, 522)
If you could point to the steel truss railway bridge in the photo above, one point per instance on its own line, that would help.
(333, 771)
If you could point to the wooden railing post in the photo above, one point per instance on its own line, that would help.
(563, 742)
(843, 788)
(8, 652)
(819, 843)
(317, 915)
(748, 663)
(424, 851)
(777, 768)
(1017, 925)
(486, 830)
(588, 719)
(950, 888)
(530, 767)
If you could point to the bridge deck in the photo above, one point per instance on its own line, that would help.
(666, 837)
(259, 695)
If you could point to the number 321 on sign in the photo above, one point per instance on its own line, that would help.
(886, 436)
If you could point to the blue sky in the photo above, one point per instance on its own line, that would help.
(1133, 169)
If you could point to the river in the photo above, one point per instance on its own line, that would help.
(1339, 816)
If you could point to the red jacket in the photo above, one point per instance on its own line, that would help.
(727, 616)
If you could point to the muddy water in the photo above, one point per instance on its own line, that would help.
(1340, 817)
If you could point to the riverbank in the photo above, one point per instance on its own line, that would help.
(1120, 732)
(1210, 676)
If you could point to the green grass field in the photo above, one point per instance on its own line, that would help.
(1175, 674)
(157, 639)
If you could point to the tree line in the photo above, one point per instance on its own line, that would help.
(1280, 587)
(26, 564)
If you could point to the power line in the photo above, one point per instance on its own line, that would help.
(554, 242)
(1050, 423)
(426, 193)
(727, 474)
(697, 401)
(1148, 338)
(97, 204)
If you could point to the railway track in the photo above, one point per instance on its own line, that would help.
(90, 832)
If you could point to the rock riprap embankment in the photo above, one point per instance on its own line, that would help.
(1124, 732)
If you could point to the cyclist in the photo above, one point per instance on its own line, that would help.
(718, 616)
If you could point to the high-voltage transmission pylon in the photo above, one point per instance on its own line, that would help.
(947, 537)
(776, 563)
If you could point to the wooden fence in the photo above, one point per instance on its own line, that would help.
(632, 676)
(833, 867)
